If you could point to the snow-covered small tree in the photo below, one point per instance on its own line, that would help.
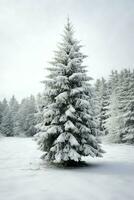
(68, 130)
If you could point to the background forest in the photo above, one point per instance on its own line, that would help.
(114, 109)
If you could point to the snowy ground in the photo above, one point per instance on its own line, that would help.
(23, 176)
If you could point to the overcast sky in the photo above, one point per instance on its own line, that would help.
(30, 30)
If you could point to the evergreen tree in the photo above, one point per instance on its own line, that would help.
(6, 124)
(113, 81)
(102, 100)
(13, 109)
(26, 119)
(8, 118)
(113, 123)
(121, 110)
(127, 107)
(68, 130)
(2, 107)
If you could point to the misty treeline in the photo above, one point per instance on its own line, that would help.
(19, 119)
(113, 100)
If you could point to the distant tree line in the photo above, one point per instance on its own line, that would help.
(19, 119)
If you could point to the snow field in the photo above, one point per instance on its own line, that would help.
(24, 176)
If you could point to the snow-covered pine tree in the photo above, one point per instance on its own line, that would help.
(104, 106)
(102, 101)
(8, 120)
(68, 130)
(127, 106)
(113, 123)
(113, 80)
(3, 109)
(3, 106)
(121, 109)
(13, 109)
(6, 127)
(26, 119)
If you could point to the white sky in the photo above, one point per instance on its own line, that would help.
(30, 30)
